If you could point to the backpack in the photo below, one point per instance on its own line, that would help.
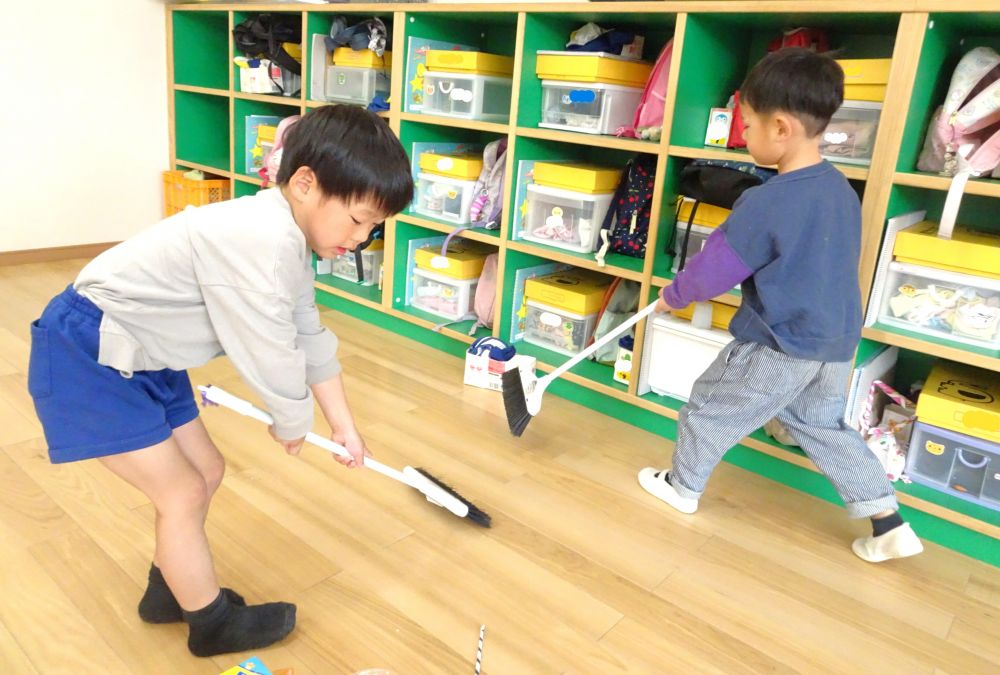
(486, 294)
(265, 35)
(487, 205)
(716, 182)
(969, 119)
(620, 302)
(272, 160)
(626, 223)
(648, 121)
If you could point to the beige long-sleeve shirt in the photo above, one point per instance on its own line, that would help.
(232, 278)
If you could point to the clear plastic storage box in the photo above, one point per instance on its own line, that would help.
(941, 303)
(350, 84)
(441, 295)
(474, 97)
(345, 267)
(591, 108)
(961, 465)
(563, 218)
(696, 241)
(557, 329)
(850, 136)
(443, 197)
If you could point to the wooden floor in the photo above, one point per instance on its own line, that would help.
(582, 572)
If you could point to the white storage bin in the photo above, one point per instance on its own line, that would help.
(444, 197)
(345, 266)
(441, 295)
(474, 97)
(557, 329)
(591, 108)
(563, 218)
(679, 353)
(850, 136)
(696, 241)
(940, 303)
(350, 84)
(266, 78)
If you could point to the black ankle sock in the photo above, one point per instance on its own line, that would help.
(882, 525)
(222, 627)
(158, 604)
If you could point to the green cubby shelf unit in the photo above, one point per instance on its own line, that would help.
(715, 45)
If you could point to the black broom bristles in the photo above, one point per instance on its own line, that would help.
(514, 402)
(476, 515)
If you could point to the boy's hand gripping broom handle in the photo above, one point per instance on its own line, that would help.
(433, 489)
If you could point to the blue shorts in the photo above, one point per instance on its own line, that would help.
(89, 410)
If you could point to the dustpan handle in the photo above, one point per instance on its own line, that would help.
(617, 332)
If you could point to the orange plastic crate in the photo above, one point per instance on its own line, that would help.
(180, 192)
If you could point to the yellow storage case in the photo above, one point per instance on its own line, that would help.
(477, 63)
(361, 58)
(575, 291)
(464, 259)
(592, 67)
(865, 79)
(461, 167)
(968, 251)
(962, 398)
(706, 216)
(722, 314)
(577, 177)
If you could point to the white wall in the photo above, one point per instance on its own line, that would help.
(83, 114)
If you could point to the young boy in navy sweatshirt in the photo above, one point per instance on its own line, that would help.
(793, 246)
(109, 354)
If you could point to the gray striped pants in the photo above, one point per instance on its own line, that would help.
(746, 386)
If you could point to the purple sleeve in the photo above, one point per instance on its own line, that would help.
(712, 272)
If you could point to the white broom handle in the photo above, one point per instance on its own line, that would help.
(639, 316)
(224, 398)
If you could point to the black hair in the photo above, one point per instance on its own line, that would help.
(797, 81)
(354, 154)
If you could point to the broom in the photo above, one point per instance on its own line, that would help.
(434, 490)
(522, 395)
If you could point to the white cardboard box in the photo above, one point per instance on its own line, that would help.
(482, 371)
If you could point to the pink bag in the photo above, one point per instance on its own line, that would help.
(648, 122)
(889, 440)
(969, 120)
(272, 161)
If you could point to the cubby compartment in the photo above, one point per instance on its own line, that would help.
(948, 36)
(325, 80)
(201, 49)
(482, 97)
(445, 186)
(249, 146)
(202, 129)
(525, 224)
(274, 80)
(720, 49)
(549, 102)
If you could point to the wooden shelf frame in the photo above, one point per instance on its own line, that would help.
(877, 180)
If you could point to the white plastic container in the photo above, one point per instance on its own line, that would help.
(345, 266)
(350, 84)
(850, 136)
(441, 295)
(563, 218)
(473, 97)
(696, 241)
(960, 465)
(587, 107)
(444, 197)
(941, 303)
(557, 329)
(679, 353)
